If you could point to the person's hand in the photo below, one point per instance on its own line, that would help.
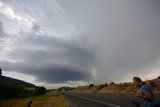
(137, 94)
(136, 88)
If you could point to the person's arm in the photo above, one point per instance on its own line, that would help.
(146, 96)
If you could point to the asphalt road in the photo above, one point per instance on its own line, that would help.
(102, 99)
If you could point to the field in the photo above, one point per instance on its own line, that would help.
(51, 99)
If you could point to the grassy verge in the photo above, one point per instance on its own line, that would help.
(51, 99)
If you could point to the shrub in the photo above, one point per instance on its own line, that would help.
(112, 83)
(91, 85)
(105, 84)
(40, 91)
(10, 90)
(100, 86)
(153, 84)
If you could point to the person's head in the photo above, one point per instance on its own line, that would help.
(137, 81)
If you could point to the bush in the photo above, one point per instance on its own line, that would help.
(91, 85)
(153, 84)
(105, 84)
(8, 91)
(100, 86)
(40, 91)
(112, 83)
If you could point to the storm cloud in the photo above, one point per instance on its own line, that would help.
(86, 40)
(49, 58)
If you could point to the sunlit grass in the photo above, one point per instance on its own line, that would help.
(51, 99)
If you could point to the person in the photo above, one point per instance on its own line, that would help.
(145, 92)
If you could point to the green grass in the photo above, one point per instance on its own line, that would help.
(51, 99)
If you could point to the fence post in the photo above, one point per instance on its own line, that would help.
(29, 103)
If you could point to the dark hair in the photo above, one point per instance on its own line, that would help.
(137, 79)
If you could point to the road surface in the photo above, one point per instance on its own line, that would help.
(102, 99)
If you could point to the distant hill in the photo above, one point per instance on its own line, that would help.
(120, 88)
(8, 80)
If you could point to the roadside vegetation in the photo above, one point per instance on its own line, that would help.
(9, 91)
(50, 99)
(14, 95)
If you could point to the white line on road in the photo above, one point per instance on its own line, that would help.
(101, 102)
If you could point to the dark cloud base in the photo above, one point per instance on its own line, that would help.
(50, 74)
(62, 75)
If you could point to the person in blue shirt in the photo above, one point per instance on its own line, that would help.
(145, 92)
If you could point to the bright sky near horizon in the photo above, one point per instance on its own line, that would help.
(75, 42)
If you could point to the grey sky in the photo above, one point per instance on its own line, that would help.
(80, 41)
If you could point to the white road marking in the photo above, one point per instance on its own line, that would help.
(101, 102)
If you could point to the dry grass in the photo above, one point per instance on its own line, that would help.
(51, 99)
